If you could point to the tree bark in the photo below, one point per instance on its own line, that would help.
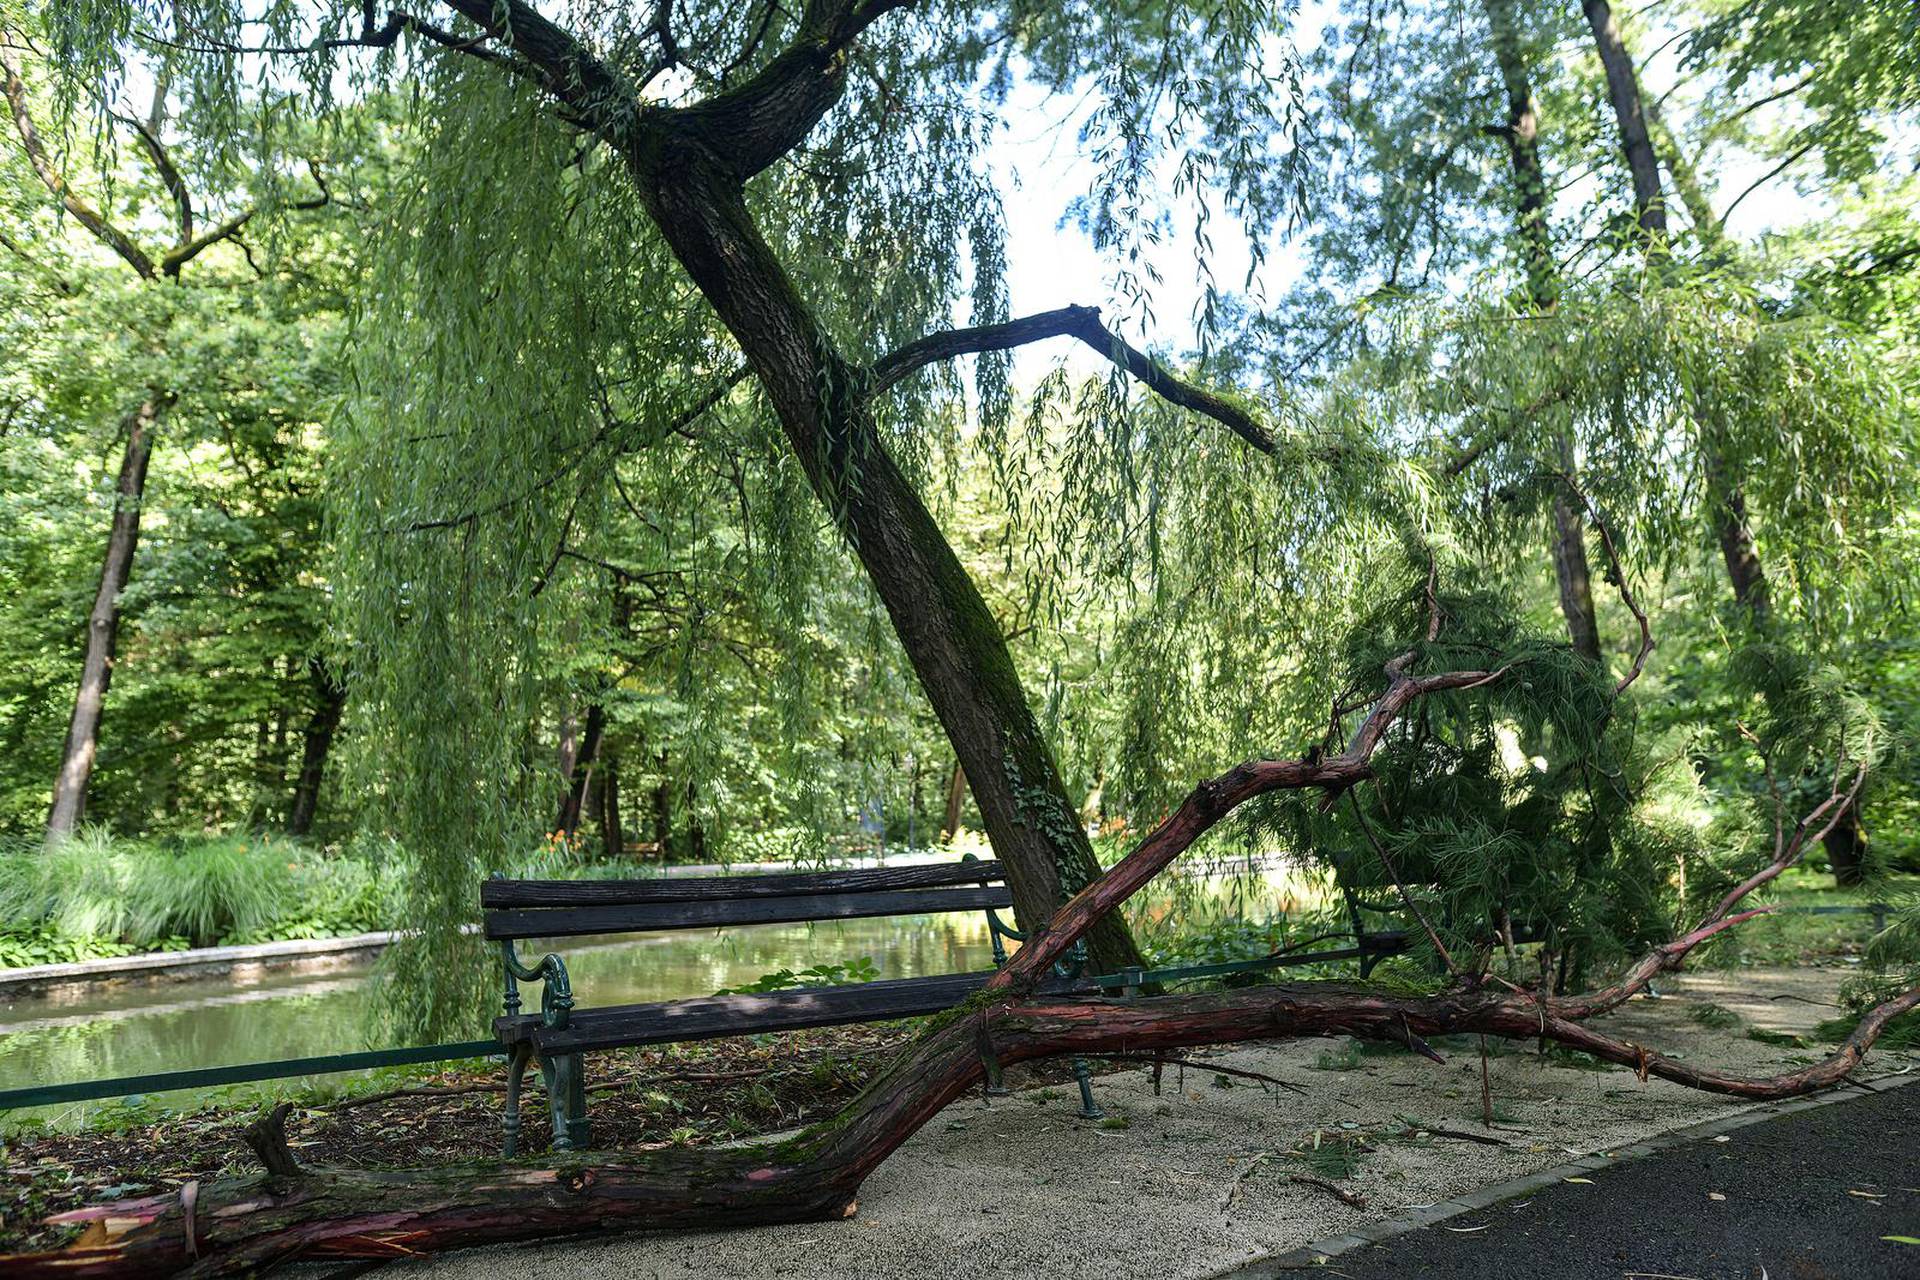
(956, 803)
(1571, 570)
(103, 622)
(1521, 132)
(612, 833)
(949, 634)
(1623, 91)
(580, 771)
(330, 704)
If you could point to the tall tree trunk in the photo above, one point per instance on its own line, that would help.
(663, 811)
(1623, 92)
(103, 623)
(330, 703)
(1846, 845)
(612, 834)
(1727, 503)
(949, 634)
(696, 829)
(573, 803)
(956, 802)
(1576, 580)
(1521, 132)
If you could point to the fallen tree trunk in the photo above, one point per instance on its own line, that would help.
(248, 1223)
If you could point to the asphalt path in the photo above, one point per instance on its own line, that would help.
(1810, 1195)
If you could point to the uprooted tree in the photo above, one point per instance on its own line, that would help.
(289, 1211)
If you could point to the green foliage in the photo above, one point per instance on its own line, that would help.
(97, 895)
(859, 969)
(471, 436)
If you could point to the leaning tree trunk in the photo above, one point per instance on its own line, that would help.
(330, 704)
(103, 623)
(580, 772)
(1521, 131)
(949, 634)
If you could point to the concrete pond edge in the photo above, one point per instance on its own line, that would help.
(1319, 1252)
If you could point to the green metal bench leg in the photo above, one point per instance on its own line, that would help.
(567, 1100)
(510, 1117)
(577, 1104)
(1089, 1109)
(996, 1079)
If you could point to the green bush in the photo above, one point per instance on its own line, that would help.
(209, 891)
(96, 894)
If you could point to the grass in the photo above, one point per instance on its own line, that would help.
(100, 894)
(1788, 937)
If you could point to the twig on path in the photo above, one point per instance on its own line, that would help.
(1485, 1140)
(1233, 1188)
(1353, 1198)
(1163, 1060)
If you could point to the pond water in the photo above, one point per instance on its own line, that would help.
(215, 1021)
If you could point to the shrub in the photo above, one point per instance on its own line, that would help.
(210, 890)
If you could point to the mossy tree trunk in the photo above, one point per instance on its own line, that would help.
(693, 182)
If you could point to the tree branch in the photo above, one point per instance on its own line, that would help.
(89, 217)
(169, 173)
(555, 59)
(750, 127)
(1071, 322)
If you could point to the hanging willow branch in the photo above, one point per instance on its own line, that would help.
(1072, 322)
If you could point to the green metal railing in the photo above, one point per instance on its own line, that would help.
(1127, 981)
(46, 1095)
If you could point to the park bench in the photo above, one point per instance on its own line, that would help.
(558, 1036)
(563, 1032)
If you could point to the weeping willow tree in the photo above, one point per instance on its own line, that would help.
(619, 231)
(627, 238)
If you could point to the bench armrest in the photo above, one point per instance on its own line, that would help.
(556, 991)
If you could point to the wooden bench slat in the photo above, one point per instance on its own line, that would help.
(571, 893)
(716, 1016)
(568, 922)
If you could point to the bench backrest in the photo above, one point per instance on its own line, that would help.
(576, 908)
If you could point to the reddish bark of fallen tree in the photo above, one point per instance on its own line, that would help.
(249, 1223)
(246, 1224)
